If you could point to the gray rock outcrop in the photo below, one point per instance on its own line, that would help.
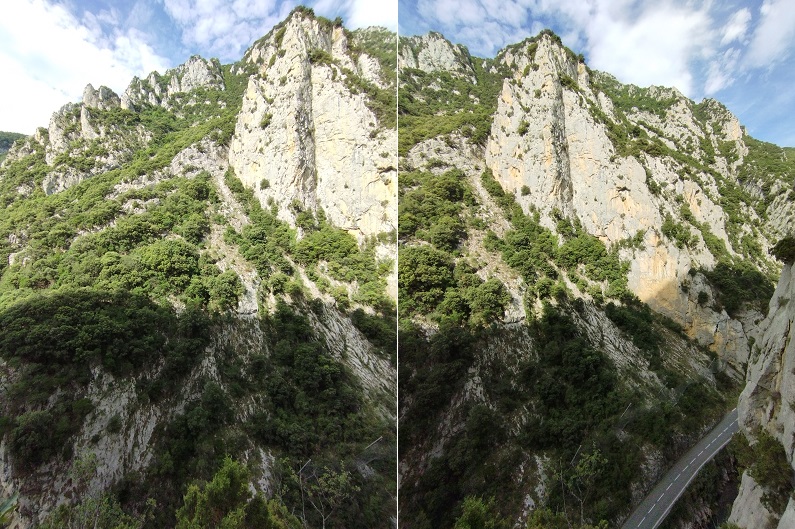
(765, 403)
(158, 89)
(551, 147)
(432, 52)
(304, 140)
(104, 98)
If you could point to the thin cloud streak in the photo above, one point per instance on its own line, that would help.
(774, 37)
(737, 27)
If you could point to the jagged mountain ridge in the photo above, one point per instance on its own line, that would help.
(269, 276)
(672, 189)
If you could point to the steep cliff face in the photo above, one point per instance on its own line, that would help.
(196, 317)
(632, 164)
(309, 136)
(765, 408)
(434, 53)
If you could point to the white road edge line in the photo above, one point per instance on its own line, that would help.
(692, 475)
(682, 490)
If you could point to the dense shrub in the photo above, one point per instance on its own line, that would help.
(766, 461)
(57, 338)
(226, 501)
(738, 283)
(458, 104)
(424, 275)
(677, 232)
(784, 250)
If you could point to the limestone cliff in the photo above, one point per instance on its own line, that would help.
(82, 131)
(765, 406)
(162, 90)
(631, 163)
(434, 53)
(309, 137)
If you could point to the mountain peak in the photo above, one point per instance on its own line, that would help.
(104, 98)
(433, 52)
(157, 89)
(544, 53)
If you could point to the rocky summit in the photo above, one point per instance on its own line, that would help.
(197, 294)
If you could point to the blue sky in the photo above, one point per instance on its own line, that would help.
(50, 49)
(740, 52)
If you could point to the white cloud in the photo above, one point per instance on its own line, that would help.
(736, 27)
(484, 26)
(774, 36)
(490, 35)
(224, 29)
(48, 56)
(641, 43)
(656, 47)
(453, 13)
(721, 72)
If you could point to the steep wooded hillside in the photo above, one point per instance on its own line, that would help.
(197, 294)
(583, 272)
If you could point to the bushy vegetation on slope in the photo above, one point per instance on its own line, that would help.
(766, 462)
(539, 255)
(564, 393)
(7, 139)
(493, 402)
(437, 103)
(116, 282)
(324, 250)
(433, 280)
(569, 403)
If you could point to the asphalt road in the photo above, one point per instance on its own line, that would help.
(656, 506)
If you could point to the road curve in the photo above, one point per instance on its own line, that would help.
(656, 506)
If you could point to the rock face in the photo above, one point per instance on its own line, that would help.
(765, 403)
(673, 188)
(747, 510)
(553, 144)
(158, 89)
(305, 140)
(432, 52)
(76, 127)
(104, 98)
(75, 130)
